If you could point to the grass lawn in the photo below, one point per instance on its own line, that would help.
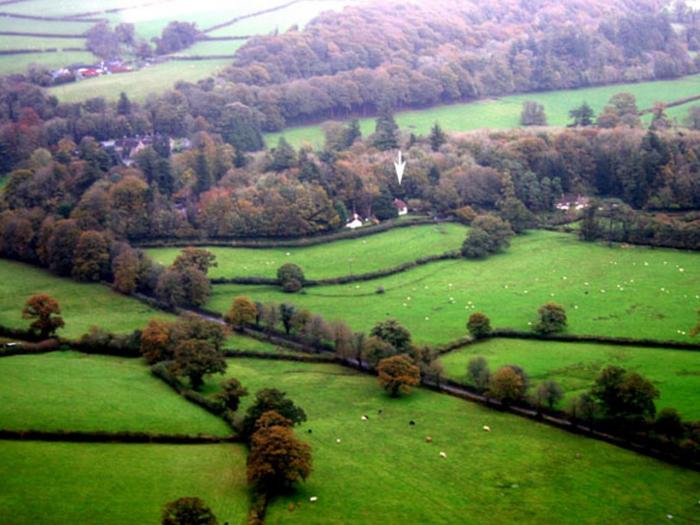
(298, 14)
(504, 113)
(383, 471)
(575, 367)
(632, 292)
(352, 256)
(32, 42)
(83, 305)
(11, 64)
(73, 391)
(139, 84)
(110, 484)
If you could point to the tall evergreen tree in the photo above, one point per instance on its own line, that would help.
(283, 156)
(387, 131)
(437, 137)
(582, 115)
(124, 105)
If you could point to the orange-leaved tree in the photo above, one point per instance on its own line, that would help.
(45, 311)
(397, 374)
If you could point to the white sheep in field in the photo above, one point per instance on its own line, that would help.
(443, 455)
(313, 499)
(487, 428)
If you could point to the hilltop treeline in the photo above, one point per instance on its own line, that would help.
(408, 55)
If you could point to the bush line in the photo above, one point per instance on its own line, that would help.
(99, 436)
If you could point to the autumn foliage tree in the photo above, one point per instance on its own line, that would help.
(155, 341)
(91, 258)
(507, 385)
(270, 399)
(45, 312)
(242, 313)
(397, 374)
(277, 458)
(195, 358)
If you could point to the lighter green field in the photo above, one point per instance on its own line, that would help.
(12, 64)
(139, 84)
(72, 391)
(353, 256)
(82, 305)
(631, 292)
(504, 113)
(676, 373)
(382, 471)
(89, 484)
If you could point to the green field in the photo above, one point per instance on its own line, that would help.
(383, 471)
(298, 14)
(13, 64)
(575, 367)
(72, 391)
(83, 305)
(139, 84)
(32, 42)
(353, 256)
(618, 291)
(110, 484)
(504, 112)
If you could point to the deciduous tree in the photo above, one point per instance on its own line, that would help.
(397, 374)
(45, 311)
(195, 358)
(242, 313)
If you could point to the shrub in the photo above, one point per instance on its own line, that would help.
(478, 372)
(479, 325)
(552, 319)
(188, 511)
(290, 277)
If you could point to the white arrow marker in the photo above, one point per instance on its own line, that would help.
(400, 166)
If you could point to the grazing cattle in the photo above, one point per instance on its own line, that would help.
(412, 423)
(309, 431)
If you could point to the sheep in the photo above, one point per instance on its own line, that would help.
(443, 455)
(428, 439)
(313, 499)
(364, 418)
(337, 440)
(487, 428)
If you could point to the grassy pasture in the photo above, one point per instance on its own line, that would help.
(32, 42)
(298, 14)
(383, 471)
(504, 112)
(204, 48)
(72, 391)
(82, 305)
(353, 256)
(13, 64)
(139, 84)
(676, 373)
(110, 484)
(613, 291)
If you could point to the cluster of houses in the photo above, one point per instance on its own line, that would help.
(127, 148)
(77, 72)
(572, 202)
(356, 220)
